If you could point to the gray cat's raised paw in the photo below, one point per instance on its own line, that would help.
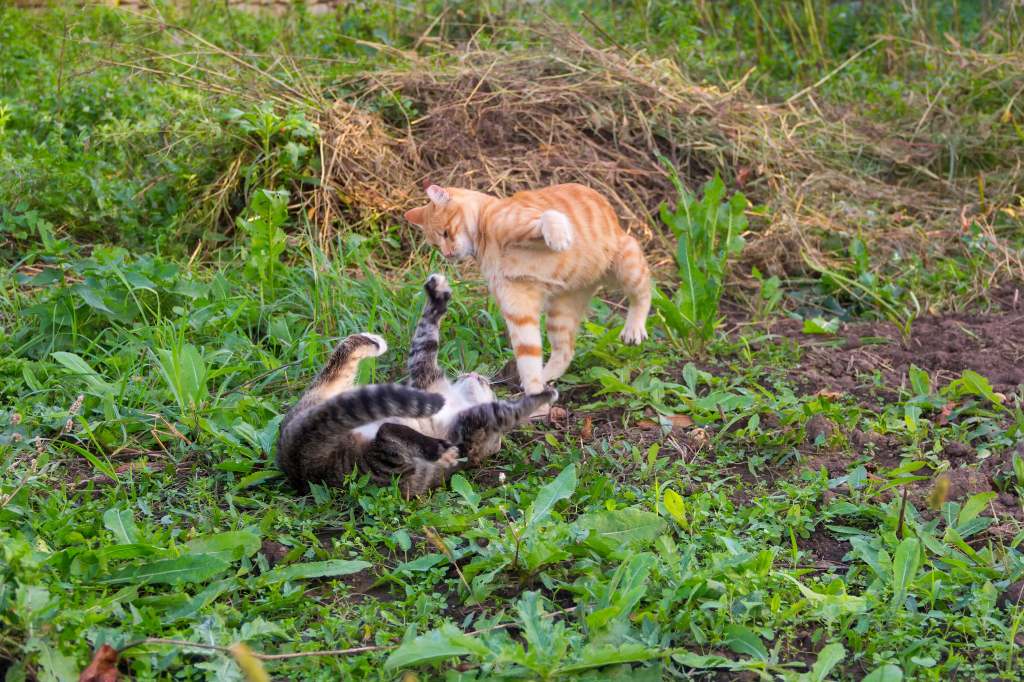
(437, 288)
(449, 458)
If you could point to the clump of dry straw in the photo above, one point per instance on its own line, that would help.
(572, 112)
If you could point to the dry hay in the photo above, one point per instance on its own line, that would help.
(570, 112)
(364, 167)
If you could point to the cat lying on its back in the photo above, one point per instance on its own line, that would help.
(546, 250)
(417, 433)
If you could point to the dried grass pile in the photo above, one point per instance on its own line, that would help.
(571, 112)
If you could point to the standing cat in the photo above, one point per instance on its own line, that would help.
(417, 432)
(544, 250)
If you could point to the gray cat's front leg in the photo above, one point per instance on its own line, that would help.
(422, 363)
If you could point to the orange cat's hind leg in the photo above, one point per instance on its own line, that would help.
(565, 313)
(631, 271)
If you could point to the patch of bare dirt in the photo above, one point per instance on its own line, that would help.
(826, 550)
(944, 346)
(1008, 296)
(274, 551)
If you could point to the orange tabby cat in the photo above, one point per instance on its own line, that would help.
(544, 250)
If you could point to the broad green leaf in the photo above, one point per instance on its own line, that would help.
(863, 550)
(139, 281)
(423, 563)
(229, 546)
(703, 662)
(123, 552)
(92, 298)
(920, 382)
(537, 631)
(81, 369)
(626, 588)
(974, 506)
(183, 569)
(559, 489)
(912, 417)
(670, 313)
(465, 490)
(972, 383)
(611, 383)
(905, 563)
(185, 372)
(829, 657)
(315, 569)
(54, 665)
(830, 606)
(443, 643)
(676, 507)
(691, 282)
(257, 478)
(601, 656)
(207, 596)
(121, 523)
(886, 673)
(691, 376)
(744, 642)
(907, 468)
(622, 527)
(819, 325)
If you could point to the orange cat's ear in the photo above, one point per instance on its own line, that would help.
(415, 216)
(438, 195)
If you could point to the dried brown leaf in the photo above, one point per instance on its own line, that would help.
(680, 421)
(587, 430)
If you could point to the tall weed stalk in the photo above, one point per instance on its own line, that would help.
(709, 231)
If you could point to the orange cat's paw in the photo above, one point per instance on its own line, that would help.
(633, 335)
(556, 229)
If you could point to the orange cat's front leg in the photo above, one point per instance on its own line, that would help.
(520, 306)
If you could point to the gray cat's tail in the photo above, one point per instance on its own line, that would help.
(315, 438)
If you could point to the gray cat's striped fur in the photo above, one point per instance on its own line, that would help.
(418, 433)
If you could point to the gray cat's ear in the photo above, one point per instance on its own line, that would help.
(438, 195)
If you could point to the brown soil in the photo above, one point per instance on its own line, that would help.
(825, 549)
(944, 346)
(966, 475)
(273, 551)
(871, 364)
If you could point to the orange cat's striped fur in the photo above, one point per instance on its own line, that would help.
(544, 250)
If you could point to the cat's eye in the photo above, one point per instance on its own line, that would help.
(446, 235)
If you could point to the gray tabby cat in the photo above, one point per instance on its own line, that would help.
(418, 433)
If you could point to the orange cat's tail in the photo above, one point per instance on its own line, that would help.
(630, 269)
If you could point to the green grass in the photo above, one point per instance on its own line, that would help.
(142, 379)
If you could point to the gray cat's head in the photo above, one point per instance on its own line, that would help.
(474, 388)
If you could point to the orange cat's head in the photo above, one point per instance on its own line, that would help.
(444, 224)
